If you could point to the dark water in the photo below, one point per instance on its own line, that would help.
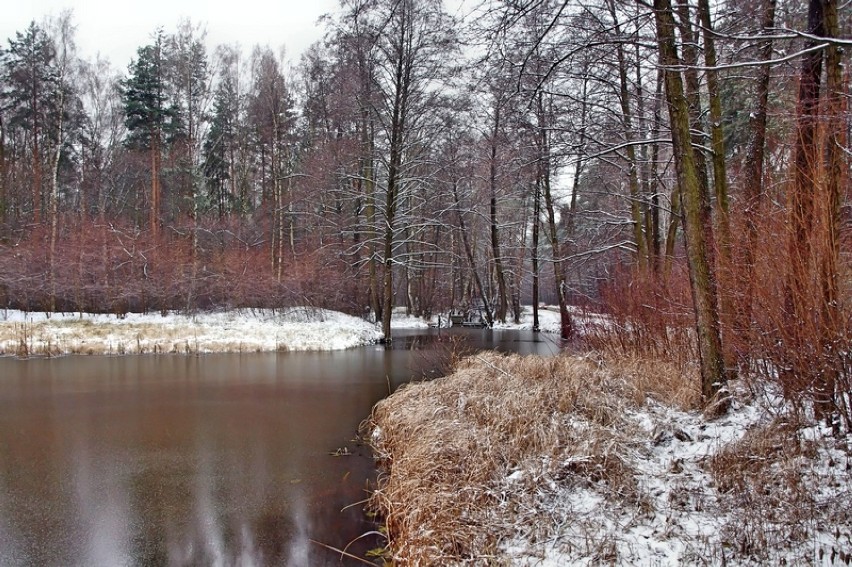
(200, 460)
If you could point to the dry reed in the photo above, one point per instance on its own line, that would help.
(465, 457)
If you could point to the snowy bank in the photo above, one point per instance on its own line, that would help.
(302, 328)
(583, 461)
(549, 320)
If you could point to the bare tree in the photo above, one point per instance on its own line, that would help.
(409, 42)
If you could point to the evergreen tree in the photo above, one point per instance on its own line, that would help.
(150, 121)
(218, 151)
(28, 100)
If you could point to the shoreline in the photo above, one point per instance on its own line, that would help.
(293, 329)
(26, 334)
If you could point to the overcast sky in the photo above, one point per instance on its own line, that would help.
(117, 29)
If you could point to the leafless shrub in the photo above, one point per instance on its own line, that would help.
(114, 266)
(801, 348)
(647, 315)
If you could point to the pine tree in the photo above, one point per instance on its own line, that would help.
(148, 118)
(29, 99)
(218, 150)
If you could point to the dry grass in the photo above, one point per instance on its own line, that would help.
(81, 336)
(465, 456)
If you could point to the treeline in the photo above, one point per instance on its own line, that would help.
(666, 164)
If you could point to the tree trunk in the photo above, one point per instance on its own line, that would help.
(692, 90)
(54, 199)
(801, 197)
(675, 216)
(752, 188)
(37, 170)
(369, 189)
(701, 269)
(400, 109)
(650, 184)
(566, 324)
(835, 177)
(720, 182)
(489, 318)
(502, 306)
(154, 212)
(630, 150)
(535, 267)
(4, 191)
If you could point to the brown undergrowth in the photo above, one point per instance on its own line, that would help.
(452, 449)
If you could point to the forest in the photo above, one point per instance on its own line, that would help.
(682, 168)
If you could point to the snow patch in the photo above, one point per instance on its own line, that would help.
(300, 328)
(681, 516)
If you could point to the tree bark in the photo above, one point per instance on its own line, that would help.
(535, 267)
(801, 196)
(720, 182)
(629, 136)
(566, 324)
(489, 318)
(835, 181)
(692, 90)
(502, 304)
(701, 269)
(54, 197)
(401, 84)
(652, 222)
(4, 191)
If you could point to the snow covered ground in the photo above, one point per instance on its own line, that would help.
(588, 461)
(301, 328)
(548, 320)
(744, 489)
(548, 315)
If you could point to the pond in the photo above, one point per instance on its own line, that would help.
(231, 459)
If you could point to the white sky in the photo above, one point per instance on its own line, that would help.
(116, 29)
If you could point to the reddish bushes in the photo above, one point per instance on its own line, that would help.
(647, 315)
(115, 267)
(768, 332)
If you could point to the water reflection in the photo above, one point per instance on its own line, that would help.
(212, 460)
(101, 504)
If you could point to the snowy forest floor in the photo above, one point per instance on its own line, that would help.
(584, 461)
